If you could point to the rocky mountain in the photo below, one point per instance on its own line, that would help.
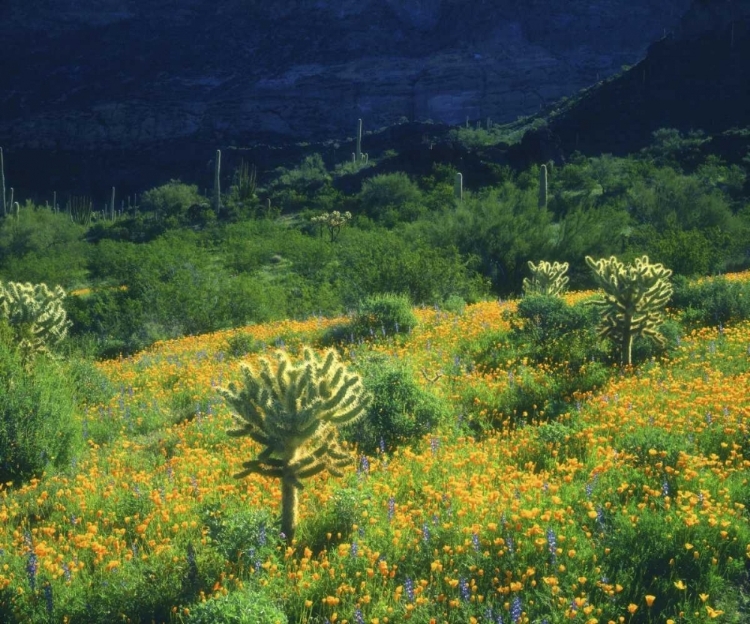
(696, 78)
(134, 92)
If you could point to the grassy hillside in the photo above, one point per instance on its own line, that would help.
(535, 485)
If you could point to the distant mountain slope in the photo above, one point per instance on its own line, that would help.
(696, 78)
(161, 79)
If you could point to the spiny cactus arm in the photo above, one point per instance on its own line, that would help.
(356, 412)
(255, 467)
(342, 396)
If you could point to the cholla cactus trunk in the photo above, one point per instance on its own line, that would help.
(2, 182)
(543, 186)
(217, 183)
(635, 297)
(294, 412)
(458, 187)
(359, 141)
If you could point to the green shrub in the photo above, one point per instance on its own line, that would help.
(244, 606)
(234, 534)
(391, 192)
(37, 404)
(90, 385)
(240, 345)
(711, 302)
(173, 200)
(388, 312)
(400, 412)
(552, 443)
(454, 304)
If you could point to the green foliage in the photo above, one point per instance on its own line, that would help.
(240, 345)
(245, 606)
(401, 411)
(175, 202)
(547, 278)
(553, 443)
(711, 302)
(635, 297)
(389, 312)
(90, 385)
(294, 412)
(390, 197)
(37, 427)
(333, 222)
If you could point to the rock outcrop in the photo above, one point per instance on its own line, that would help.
(146, 77)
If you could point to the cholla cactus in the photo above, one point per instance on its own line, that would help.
(35, 313)
(295, 412)
(547, 279)
(334, 221)
(634, 298)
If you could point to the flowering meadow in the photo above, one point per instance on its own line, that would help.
(629, 506)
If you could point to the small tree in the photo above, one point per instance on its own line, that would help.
(547, 279)
(295, 412)
(35, 314)
(334, 221)
(634, 299)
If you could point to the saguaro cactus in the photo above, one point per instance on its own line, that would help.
(217, 183)
(112, 204)
(458, 187)
(547, 279)
(36, 315)
(294, 412)
(2, 182)
(634, 299)
(543, 186)
(358, 155)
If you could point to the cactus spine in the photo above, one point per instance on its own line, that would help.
(358, 156)
(294, 411)
(36, 314)
(543, 186)
(634, 299)
(217, 183)
(2, 182)
(547, 279)
(458, 187)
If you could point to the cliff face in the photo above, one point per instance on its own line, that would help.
(107, 74)
(698, 77)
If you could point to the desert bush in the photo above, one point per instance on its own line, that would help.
(711, 302)
(37, 405)
(388, 312)
(401, 411)
(244, 606)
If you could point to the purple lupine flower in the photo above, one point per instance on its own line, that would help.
(510, 545)
(358, 617)
(409, 589)
(463, 585)
(66, 572)
(516, 610)
(382, 445)
(552, 544)
(262, 535)
(589, 489)
(48, 600)
(600, 517)
(708, 418)
(665, 488)
(32, 565)
(475, 541)
(391, 508)
(354, 548)
(545, 487)
(364, 464)
(425, 533)
(434, 444)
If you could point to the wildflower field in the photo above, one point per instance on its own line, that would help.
(624, 503)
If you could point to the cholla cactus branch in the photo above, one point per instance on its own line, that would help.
(634, 300)
(294, 412)
(547, 279)
(334, 221)
(36, 313)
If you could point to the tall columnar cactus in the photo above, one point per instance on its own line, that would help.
(634, 299)
(112, 204)
(543, 186)
(458, 187)
(36, 315)
(2, 182)
(358, 155)
(217, 183)
(294, 412)
(547, 279)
